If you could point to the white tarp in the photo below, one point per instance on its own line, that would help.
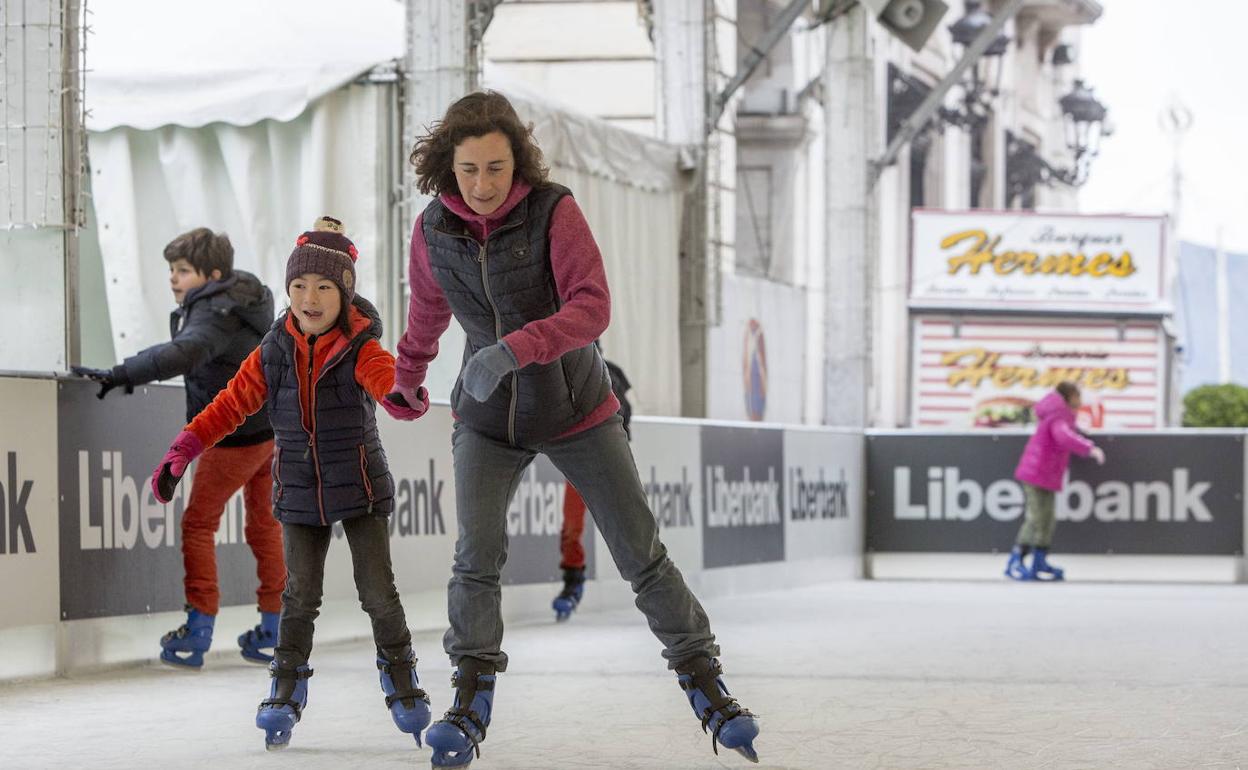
(153, 63)
(262, 184)
(235, 118)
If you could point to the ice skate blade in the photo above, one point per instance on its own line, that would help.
(173, 661)
(276, 742)
(259, 658)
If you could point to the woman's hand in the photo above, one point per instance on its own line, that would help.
(405, 403)
(486, 369)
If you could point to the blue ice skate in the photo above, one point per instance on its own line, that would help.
(456, 738)
(408, 704)
(253, 640)
(730, 725)
(185, 646)
(278, 714)
(570, 596)
(1042, 570)
(1016, 568)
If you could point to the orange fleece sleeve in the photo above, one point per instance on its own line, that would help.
(241, 398)
(374, 369)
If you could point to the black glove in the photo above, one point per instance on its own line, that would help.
(107, 378)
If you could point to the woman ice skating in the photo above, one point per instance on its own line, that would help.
(319, 370)
(510, 256)
(1041, 470)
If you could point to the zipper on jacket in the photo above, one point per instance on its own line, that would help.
(498, 320)
(498, 333)
(368, 484)
(316, 456)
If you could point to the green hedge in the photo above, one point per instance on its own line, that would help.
(1216, 406)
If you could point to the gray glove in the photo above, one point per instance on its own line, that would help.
(486, 368)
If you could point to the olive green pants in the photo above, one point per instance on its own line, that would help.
(1040, 519)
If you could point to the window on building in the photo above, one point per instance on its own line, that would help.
(979, 165)
(1023, 170)
(754, 237)
(905, 94)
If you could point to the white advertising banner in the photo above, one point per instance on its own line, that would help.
(824, 475)
(1015, 260)
(669, 461)
(29, 577)
(988, 371)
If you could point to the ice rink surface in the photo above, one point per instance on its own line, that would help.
(853, 675)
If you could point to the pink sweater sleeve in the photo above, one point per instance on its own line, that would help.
(428, 315)
(581, 281)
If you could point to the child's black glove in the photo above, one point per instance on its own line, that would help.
(108, 378)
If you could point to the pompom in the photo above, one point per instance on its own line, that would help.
(328, 225)
(302, 240)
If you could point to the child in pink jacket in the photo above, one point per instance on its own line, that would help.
(1042, 470)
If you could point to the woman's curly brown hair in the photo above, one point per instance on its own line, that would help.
(476, 114)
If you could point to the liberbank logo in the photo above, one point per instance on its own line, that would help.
(745, 503)
(952, 498)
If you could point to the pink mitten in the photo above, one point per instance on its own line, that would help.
(405, 403)
(185, 448)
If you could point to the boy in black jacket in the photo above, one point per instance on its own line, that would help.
(222, 313)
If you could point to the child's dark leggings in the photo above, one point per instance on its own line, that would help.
(369, 539)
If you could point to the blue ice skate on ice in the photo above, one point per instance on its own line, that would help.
(264, 636)
(729, 724)
(456, 738)
(1016, 568)
(1042, 570)
(278, 714)
(408, 704)
(571, 595)
(184, 647)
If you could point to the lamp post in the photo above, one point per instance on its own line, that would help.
(1087, 122)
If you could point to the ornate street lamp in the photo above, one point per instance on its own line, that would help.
(1087, 123)
(975, 108)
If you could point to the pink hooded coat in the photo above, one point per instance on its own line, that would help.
(1047, 455)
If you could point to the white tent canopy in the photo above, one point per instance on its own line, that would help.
(241, 118)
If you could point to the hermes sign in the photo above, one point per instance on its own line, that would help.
(1037, 262)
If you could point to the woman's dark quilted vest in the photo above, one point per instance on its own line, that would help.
(495, 288)
(340, 470)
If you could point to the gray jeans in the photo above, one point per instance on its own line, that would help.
(599, 463)
(306, 546)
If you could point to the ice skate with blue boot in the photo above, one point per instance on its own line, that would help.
(1042, 570)
(456, 738)
(1016, 568)
(408, 704)
(278, 714)
(184, 647)
(254, 641)
(573, 591)
(729, 724)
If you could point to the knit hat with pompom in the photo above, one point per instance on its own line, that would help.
(326, 251)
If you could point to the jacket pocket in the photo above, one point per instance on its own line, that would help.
(567, 381)
(277, 473)
(368, 483)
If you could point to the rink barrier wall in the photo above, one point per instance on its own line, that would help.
(1167, 505)
(92, 570)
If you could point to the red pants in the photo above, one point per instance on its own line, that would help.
(221, 472)
(570, 547)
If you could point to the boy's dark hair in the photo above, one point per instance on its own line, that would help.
(1068, 390)
(476, 114)
(204, 250)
